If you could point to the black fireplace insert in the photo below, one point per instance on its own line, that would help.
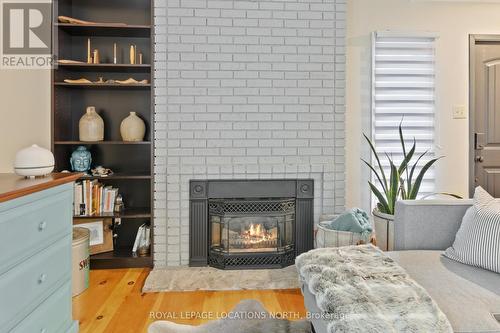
(250, 224)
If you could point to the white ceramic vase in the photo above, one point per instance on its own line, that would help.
(132, 128)
(91, 126)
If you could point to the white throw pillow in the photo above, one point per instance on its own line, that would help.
(477, 242)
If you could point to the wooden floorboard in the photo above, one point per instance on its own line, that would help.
(114, 303)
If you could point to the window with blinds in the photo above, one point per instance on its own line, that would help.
(403, 85)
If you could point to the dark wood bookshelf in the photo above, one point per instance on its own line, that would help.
(132, 162)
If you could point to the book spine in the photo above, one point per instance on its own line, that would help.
(88, 204)
(105, 200)
(82, 199)
(76, 203)
(101, 200)
(98, 200)
(109, 200)
(86, 196)
(81, 205)
(112, 199)
(92, 202)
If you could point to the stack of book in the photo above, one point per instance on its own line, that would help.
(93, 198)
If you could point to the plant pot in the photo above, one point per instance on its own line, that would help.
(384, 230)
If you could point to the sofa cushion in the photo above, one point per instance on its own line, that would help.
(469, 296)
(477, 242)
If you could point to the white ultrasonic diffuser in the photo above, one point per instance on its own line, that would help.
(34, 161)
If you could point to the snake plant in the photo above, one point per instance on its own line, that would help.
(402, 183)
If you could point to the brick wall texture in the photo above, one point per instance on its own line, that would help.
(245, 90)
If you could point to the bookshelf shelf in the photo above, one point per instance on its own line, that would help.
(84, 67)
(107, 30)
(132, 162)
(131, 213)
(122, 257)
(102, 85)
(83, 143)
(118, 176)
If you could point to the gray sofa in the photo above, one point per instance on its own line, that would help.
(469, 296)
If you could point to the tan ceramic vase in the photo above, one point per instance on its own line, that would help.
(132, 128)
(91, 126)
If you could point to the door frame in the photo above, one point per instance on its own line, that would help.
(473, 40)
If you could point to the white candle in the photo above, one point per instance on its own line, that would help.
(89, 54)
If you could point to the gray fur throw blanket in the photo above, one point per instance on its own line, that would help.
(360, 289)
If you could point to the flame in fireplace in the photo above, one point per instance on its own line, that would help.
(256, 230)
(256, 233)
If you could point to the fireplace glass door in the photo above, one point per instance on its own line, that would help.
(252, 226)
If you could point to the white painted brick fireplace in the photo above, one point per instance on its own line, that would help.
(245, 90)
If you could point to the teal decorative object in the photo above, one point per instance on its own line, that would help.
(354, 220)
(81, 159)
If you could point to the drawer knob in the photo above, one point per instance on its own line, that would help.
(42, 278)
(43, 330)
(42, 226)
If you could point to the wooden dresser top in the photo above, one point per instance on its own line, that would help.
(13, 186)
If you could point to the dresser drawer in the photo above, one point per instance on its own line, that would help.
(32, 226)
(52, 316)
(24, 287)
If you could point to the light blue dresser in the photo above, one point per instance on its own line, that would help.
(35, 254)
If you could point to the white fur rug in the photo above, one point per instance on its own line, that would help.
(363, 290)
(249, 316)
(208, 278)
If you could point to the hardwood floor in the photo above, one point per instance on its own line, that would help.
(114, 303)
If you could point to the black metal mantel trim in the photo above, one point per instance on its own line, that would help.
(201, 190)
